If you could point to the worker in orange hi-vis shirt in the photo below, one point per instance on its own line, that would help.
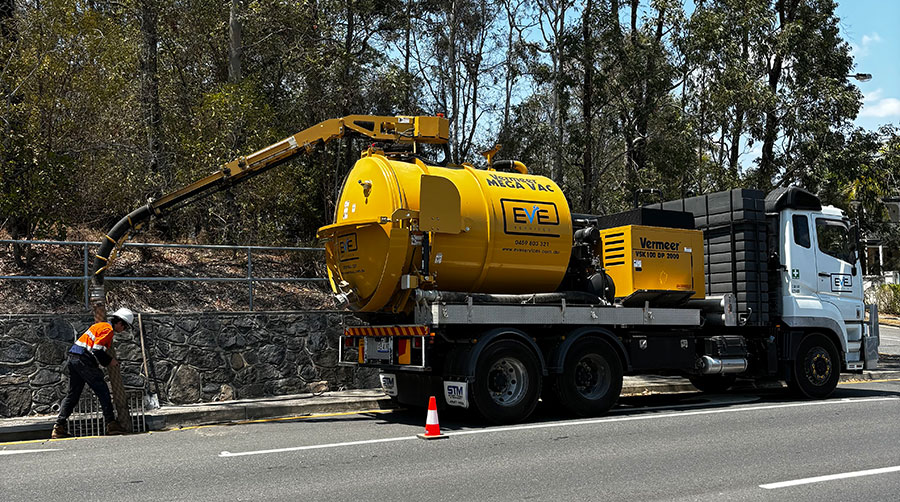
(90, 351)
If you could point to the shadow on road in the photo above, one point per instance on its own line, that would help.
(457, 419)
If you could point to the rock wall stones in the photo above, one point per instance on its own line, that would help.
(195, 357)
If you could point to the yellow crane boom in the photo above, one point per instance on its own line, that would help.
(400, 129)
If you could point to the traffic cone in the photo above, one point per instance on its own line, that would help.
(432, 428)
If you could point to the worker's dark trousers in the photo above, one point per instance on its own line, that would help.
(83, 372)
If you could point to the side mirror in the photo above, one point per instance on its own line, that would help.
(854, 245)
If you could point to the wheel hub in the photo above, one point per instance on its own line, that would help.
(818, 366)
(585, 375)
(507, 381)
(499, 382)
(592, 376)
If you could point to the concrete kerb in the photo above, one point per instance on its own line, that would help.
(890, 321)
(178, 416)
(175, 417)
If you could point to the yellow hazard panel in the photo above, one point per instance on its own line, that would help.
(653, 258)
(404, 352)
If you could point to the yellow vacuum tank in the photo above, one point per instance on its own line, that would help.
(479, 231)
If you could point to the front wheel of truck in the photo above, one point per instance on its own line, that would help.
(816, 368)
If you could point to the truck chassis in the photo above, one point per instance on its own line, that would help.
(501, 358)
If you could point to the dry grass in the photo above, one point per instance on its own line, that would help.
(67, 296)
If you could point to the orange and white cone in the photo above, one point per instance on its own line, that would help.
(432, 428)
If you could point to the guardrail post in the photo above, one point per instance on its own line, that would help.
(87, 279)
(250, 275)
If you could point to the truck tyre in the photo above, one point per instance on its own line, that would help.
(816, 368)
(591, 380)
(507, 382)
(712, 384)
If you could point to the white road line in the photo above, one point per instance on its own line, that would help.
(18, 452)
(571, 423)
(830, 477)
(314, 447)
(674, 415)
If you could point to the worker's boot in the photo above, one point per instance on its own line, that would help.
(113, 428)
(59, 432)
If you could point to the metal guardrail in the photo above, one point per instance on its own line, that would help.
(86, 278)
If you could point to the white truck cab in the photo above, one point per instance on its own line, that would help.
(820, 276)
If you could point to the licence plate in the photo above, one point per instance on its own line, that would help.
(378, 348)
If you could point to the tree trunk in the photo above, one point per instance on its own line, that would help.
(346, 153)
(587, 96)
(150, 86)
(648, 90)
(452, 84)
(770, 131)
(7, 29)
(737, 129)
(787, 10)
(235, 47)
(556, 172)
(407, 101)
(510, 68)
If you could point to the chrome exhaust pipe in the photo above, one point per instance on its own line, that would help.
(712, 366)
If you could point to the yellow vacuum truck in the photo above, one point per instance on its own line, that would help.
(481, 285)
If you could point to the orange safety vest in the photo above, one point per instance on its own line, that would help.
(97, 337)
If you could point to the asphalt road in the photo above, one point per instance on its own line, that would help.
(889, 342)
(670, 447)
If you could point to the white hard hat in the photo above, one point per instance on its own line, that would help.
(124, 314)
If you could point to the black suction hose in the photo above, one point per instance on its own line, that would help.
(117, 234)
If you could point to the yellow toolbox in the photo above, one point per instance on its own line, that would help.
(643, 258)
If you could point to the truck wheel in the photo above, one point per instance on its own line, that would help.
(713, 384)
(591, 380)
(816, 367)
(507, 382)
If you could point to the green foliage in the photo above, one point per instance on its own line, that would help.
(886, 296)
(68, 67)
(662, 96)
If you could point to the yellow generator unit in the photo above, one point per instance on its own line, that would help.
(403, 224)
(639, 257)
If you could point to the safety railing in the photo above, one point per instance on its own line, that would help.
(249, 278)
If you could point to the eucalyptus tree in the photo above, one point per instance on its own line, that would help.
(459, 66)
(809, 99)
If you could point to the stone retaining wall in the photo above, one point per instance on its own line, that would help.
(196, 357)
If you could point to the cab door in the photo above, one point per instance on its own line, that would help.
(839, 279)
(840, 282)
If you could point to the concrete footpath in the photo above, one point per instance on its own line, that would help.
(243, 410)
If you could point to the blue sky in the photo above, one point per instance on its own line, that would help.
(872, 28)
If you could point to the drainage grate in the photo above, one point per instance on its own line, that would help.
(87, 419)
